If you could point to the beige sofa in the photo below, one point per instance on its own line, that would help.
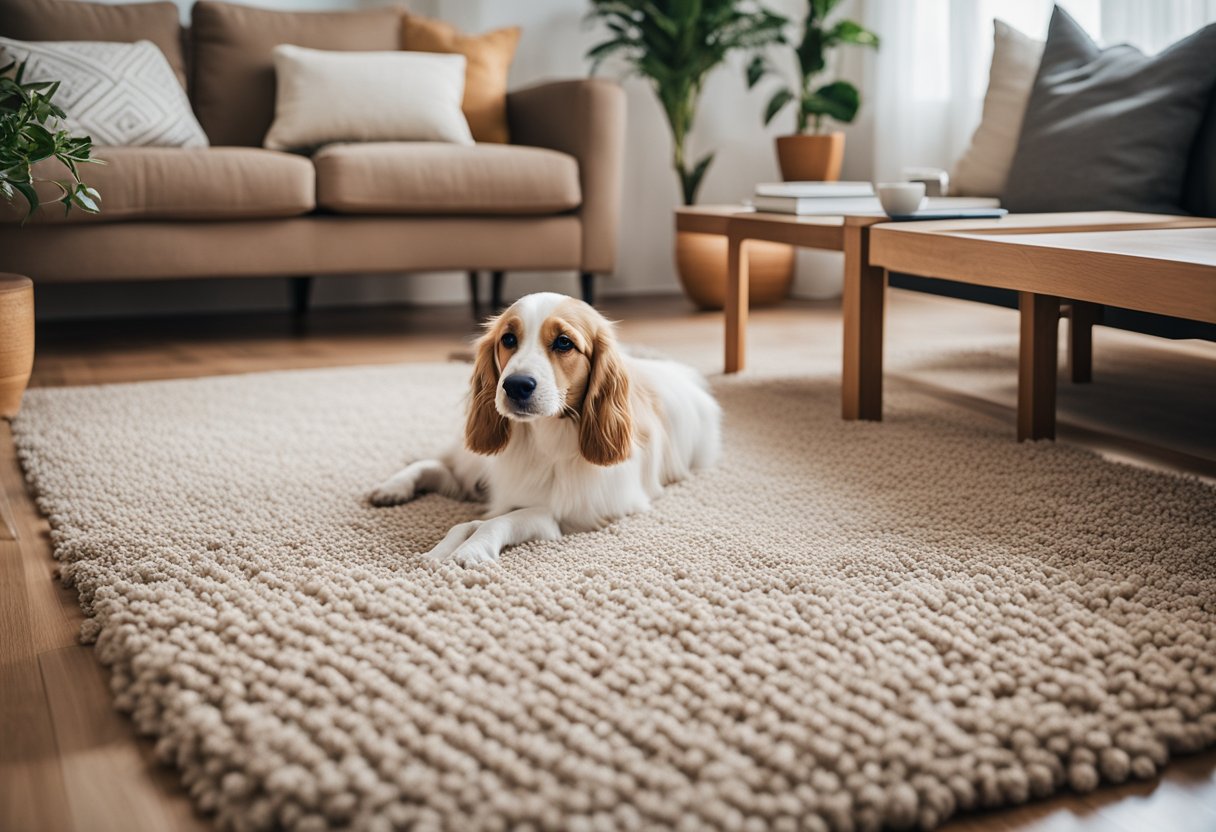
(548, 201)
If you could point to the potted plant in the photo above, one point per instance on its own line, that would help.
(26, 110)
(675, 44)
(811, 154)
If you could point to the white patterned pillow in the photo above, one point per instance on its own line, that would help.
(121, 94)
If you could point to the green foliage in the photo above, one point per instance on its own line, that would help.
(838, 100)
(675, 44)
(28, 117)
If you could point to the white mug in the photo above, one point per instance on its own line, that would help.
(900, 198)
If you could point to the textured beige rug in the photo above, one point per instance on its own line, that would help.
(843, 626)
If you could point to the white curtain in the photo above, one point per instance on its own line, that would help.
(925, 86)
(1152, 26)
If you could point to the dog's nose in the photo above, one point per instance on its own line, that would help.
(519, 388)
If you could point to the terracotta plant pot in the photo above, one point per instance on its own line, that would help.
(810, 158)
(16, 340)
(701, 264)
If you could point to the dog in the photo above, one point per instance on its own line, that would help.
(564, 432)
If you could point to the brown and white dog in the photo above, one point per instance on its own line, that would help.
(564, 433)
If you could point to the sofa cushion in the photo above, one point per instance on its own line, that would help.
(118, 94)
(124, 23)
(489, 64)
(1199, 194)
(984, 166)
(233, 63)
(326, 97)
(437, 178)
(1110, 129)
(146, 183)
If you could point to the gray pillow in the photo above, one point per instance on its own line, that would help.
(1110, 129)
(1199, 193)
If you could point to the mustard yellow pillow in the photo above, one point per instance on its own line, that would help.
(489, 60)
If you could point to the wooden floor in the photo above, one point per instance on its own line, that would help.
(68, 761)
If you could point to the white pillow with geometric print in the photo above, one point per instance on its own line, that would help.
(120, 94)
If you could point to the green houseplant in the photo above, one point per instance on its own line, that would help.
(29, 134)
(811, 153)
(674, 45)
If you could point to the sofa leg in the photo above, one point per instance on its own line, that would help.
(301, 291)
(587, 279)
(475, 293)
(496, 289)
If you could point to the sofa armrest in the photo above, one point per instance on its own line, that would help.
(586, 119)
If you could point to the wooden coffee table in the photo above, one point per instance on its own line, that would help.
(1152, 263)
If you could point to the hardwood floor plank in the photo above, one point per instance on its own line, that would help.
(1179, 800)
(8, 525)
(110, 784)
(54, 615)
(32, 791)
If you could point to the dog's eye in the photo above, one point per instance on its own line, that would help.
(510, 341)
(563, 344)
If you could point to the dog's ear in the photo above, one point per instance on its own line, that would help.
(606, 424)
(486, 431)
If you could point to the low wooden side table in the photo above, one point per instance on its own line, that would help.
(16, 340)
(864, 287)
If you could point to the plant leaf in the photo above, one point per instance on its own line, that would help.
(777, 103)
(839, 100)
(848, 31)
(756, 69)
(602, 51)
(810, 52)
(31, 197)
(84, 200)
(822, 8)
(692, 179)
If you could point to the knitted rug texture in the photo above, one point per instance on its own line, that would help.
(843, 626)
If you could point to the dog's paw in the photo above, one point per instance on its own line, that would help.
(474, 552)
(455, 537)
(393, 492)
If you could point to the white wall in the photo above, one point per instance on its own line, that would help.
(555, 38)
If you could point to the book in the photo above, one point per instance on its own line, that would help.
(817, 205)
(952, 214)
(823, 190)
(809, 206)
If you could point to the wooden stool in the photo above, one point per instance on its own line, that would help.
(16, 340)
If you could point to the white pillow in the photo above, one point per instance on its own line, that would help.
(984, 167)
(120, 94)
(326, 97)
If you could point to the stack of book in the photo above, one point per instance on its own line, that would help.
(828, 198)
(816, 198)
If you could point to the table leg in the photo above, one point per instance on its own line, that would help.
(1037, 357)
(865, 289)
(1081, 320)
(736, 304)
